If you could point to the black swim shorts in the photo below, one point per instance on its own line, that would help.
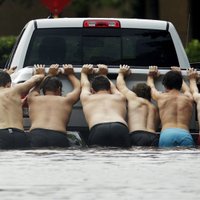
(13, 138)
(40, 138)
(144, 138)
(113, 134)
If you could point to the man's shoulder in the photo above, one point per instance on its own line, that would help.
(166, 97)
(139, 100)
(105, 97)
(9, 91)
(186, 96)
(146, 102)
(47, 97)
(196, 96)
(118, 96)
(172, 99)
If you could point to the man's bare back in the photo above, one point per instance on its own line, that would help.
(175, 110)
(12, 135)
(142, 115)
(104, 107)
(10, 109)
(11, 103)
(49, 112)
(193, 76)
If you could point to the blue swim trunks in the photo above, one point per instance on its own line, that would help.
(172, 137)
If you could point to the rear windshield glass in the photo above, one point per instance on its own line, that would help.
(78, 46)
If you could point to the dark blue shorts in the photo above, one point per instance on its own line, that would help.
(13, 138)
(144, 138)
(114, 134)
(40, 138)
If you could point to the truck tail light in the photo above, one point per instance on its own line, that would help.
(101, 24)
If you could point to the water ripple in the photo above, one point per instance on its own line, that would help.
(99, 173)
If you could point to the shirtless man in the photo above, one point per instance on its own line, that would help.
(175, 108)
(50, 113)
(193, 77)
(104, 108)
(12, 135)
(143, 116)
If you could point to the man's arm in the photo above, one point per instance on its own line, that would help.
(153, 73)
(193, 76)
(114, 90)
(124, 70)
(23, 88)
(85, 83)
(185, 89)
(74, 95)
(10, 70)
(35, 91)
(40, 70)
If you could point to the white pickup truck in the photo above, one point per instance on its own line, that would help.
(112, 41)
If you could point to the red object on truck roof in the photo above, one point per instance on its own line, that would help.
(55, 6)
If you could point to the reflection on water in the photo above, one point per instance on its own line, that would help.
(88, 174)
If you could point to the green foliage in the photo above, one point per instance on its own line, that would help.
(6, 45)
(193, 51)
(25, 3)
(82, 8)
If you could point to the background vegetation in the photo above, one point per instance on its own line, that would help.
(6, 45)
(82, 8)
(193, 51)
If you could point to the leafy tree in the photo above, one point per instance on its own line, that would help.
(26, 3)
(6, 45)
(82, 8)
(193, 51)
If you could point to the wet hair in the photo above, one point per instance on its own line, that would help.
(100, 83)
(173, 80)
(142, 90)
(4, 78)
(52, 84)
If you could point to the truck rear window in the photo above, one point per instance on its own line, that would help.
(78, 46)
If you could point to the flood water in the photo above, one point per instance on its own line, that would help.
(88, 174)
